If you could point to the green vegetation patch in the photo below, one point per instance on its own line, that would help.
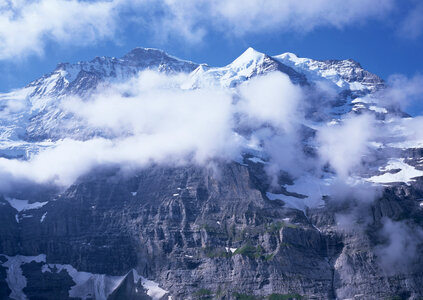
(291, 296)
(250, 251)
(216, 253)
(204, 294)
(285, 296)
(239, 296)
(277, 226)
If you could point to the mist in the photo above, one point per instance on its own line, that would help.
(343, 145)
(399, 250)
(152, 119)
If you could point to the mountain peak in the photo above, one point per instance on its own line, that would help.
(252, 51)
(250, 55)
(140, 52)
(148, 57)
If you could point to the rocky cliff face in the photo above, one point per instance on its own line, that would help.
(204, 235)
(225, 230)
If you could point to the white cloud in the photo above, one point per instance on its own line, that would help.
(403, 91)
(299, 15)
(61, 165)
(192, 19)
(272, 106)
(412, 25)
(273, 99)
(400, 250)
(150, 119)
(400, 93)
(27, 25)
(344, 145)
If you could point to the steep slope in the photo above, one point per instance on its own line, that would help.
(222, 229)
(81, 77)
(346, 74)
(33, 114)
(345, 77)
(249, 64)
(198, 235)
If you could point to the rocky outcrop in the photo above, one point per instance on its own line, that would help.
(205, 233)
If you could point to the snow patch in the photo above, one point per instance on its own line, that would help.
(88, 285)
(152, 287)
(256, 160)
(14, 276)
(43, 217)
(232, 250)
(100, 286)
(406, 173)
(290, 201)
(356, 86)
(22, 205)
(407, 144)
(313, 188)
(378, 109)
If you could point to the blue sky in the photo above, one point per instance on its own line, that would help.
(385, 36)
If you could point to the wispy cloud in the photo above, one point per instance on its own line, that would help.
(344, 145)
(300, 15)
(412, 25)
(399, 250)
(403, 91)
(26, 26)
(151, 119)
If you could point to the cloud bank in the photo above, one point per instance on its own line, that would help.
(151, 119)
(254, 16)
(26, 26)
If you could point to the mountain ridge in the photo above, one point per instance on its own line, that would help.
(272, 177)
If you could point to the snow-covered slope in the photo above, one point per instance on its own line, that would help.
(83, 76)
(345, 74)
(86, 285)
(249, 64)
(292, 148)
(33, 113)
(32, 118)
(345, 77)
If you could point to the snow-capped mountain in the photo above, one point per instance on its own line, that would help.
(249, 64)
(36, 116)
(32, 113)
(278, 221)
(345, 74)
(81, 77)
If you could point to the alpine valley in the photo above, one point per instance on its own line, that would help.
(151, 177)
